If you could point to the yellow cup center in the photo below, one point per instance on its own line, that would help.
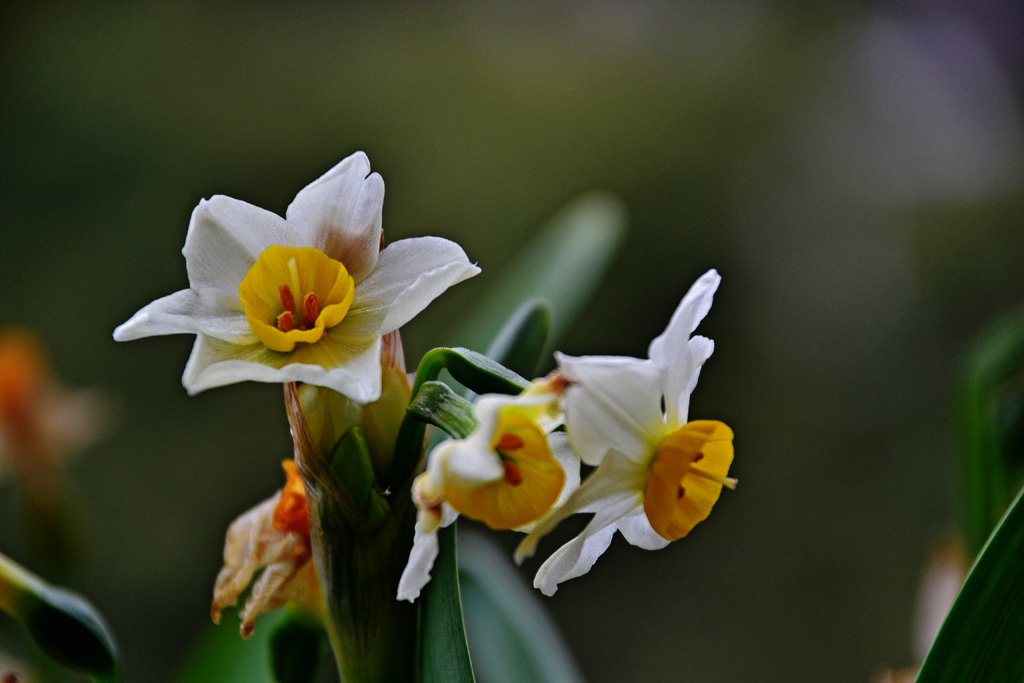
(687, 476)
(531, 483)
(292, 295)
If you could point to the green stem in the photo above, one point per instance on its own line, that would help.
(471, 369)
(358, 563)
(372, 633)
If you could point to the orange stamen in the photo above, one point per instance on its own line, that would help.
(287, 300)
(509, 442)
(513, 475)
(698, 457)
(286, 321)
(311, 308)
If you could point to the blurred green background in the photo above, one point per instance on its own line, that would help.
(853, 170)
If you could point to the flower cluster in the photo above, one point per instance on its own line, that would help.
(316, 298)
(656, 474)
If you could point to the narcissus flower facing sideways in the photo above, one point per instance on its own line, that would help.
(273, 535)
(304, 298)
(508, 473)
(657, 475)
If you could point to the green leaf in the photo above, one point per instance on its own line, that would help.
(989, 478)
(470, 369)
(354, 466)
(981, 637)
(562, 266)
(438, 405)
(65, 626)
(520, 342)
(220, 654)
(511, 637)
(296, 650)
(444, 653)
(351, 461)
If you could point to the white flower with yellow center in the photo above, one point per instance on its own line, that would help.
(302, 298)
(657, 475)
(509, 473)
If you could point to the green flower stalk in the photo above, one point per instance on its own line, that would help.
(359, 545)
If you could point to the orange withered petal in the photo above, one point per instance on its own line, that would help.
(290, 512)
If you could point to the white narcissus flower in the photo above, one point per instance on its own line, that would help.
(657, 475)
(303, 298)
(509, 473)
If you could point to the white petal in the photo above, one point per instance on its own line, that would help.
(212, 312)
(670, 351)
(576, 557)
(348, 366)
(416, 574)
(409, 275)
(340, 214)
(466, 463)
(617, 484)
(573, 559)
(614, 404)
(225, 237)
(570, 463)
(638, 531)
(697, 352)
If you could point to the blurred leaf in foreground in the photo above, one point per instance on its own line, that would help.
(63, 624)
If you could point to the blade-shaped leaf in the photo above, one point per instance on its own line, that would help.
(444, 653)
(988, 477)
(297, 648)
(520, 342)
(63, 624)
(980, 641)
(511, 637)
(221, 655)
(470, 369)
(562, 266)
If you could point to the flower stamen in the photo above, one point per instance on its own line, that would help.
(728, 482)
(314, 291)
(286, 321)
(513, 475)
(287, 299)
(509, 442)
(311, 308)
